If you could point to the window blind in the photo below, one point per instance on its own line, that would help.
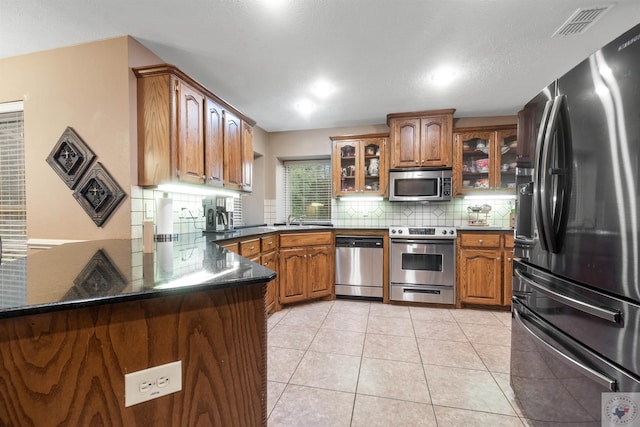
(13, 215)
(307, 190)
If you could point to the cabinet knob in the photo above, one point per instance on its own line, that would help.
(252, 247)
(416, 162)
(481, 241)
(204, 177)
(509, 259)
(498, 259)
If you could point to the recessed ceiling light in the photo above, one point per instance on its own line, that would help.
(305, 106)
(443, 76)
(322, 89)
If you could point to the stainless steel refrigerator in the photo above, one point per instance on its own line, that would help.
(576, 284)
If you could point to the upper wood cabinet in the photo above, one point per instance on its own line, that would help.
(359, 164)
(421, 139)
(187, 134)
(484, 159)
(214, 144)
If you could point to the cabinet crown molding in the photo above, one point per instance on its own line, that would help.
(162, 69)
(417, 114)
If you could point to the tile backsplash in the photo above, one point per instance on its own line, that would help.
(188, 215)
(382, 214)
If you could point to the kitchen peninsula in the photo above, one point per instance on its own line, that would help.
(76, 318)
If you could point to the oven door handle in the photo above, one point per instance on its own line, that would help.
(429, 241)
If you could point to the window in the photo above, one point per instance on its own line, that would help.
(13, 214)
(307, 190)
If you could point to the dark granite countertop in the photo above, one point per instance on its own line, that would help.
(107, 271)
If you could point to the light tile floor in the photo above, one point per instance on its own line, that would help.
(358, 363)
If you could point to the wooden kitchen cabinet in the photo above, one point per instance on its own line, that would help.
(269, 259)
(359, 164)
(507, 280)
(482, 268)
(421, 139)
(484, 159)
(214, 144)
(187, 134)
(306, 266)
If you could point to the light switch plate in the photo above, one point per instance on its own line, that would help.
(152, 383)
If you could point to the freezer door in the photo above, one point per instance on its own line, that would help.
(607, 326)
(600, 243)
(556, 380)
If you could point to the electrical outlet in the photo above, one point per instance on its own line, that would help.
(152, 383)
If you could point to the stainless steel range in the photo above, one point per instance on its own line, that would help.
(422, 264)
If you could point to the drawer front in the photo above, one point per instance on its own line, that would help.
(269, 243)
(291, 240)
(508, 241)
(233, 247)
(250, 248)
(480, 240)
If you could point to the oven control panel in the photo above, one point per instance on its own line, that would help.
(423, 232)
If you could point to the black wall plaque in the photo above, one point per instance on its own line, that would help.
(70, 158)
(98, 194)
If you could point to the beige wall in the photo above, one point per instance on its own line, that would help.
(89, 88)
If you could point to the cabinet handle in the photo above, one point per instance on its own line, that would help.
(498, 259)
(417, 162)
(252, 247)
(509, 259)
(481, 241)
(204, 177)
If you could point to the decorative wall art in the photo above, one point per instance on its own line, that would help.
(70, 158)
(98, 194)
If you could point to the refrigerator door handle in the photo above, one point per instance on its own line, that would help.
(539, 175)
(598, 377)
(605, 313)
(554, 198)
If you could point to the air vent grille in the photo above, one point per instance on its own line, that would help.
(581, 19)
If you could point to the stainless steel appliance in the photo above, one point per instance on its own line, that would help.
(420, 185)
(422, 264)
(576, 284)
(359, 266)
(218, 212)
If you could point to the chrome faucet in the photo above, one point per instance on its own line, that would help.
(292, 218)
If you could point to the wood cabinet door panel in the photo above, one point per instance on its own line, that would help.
(214, 144)
(507, 255)
(270, 261)
(232, 151)
(435, 146)
(481, 277)
(190, 134)
(320, 270)
(406, 146)
(247, 158)
(293, 279)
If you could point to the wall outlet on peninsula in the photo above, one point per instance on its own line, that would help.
(152, 383)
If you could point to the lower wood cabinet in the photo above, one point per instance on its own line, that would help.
(484, 268)
(306, 266)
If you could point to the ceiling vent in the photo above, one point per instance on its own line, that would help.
(581, 20)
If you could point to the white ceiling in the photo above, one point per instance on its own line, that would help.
(379, 54)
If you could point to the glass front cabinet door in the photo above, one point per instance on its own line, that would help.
(485, 159)
(359, 165)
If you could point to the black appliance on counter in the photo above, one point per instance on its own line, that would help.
(575, 350)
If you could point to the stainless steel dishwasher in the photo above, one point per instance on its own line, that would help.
(359, 266)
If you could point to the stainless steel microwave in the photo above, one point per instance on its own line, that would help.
(420, 185)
